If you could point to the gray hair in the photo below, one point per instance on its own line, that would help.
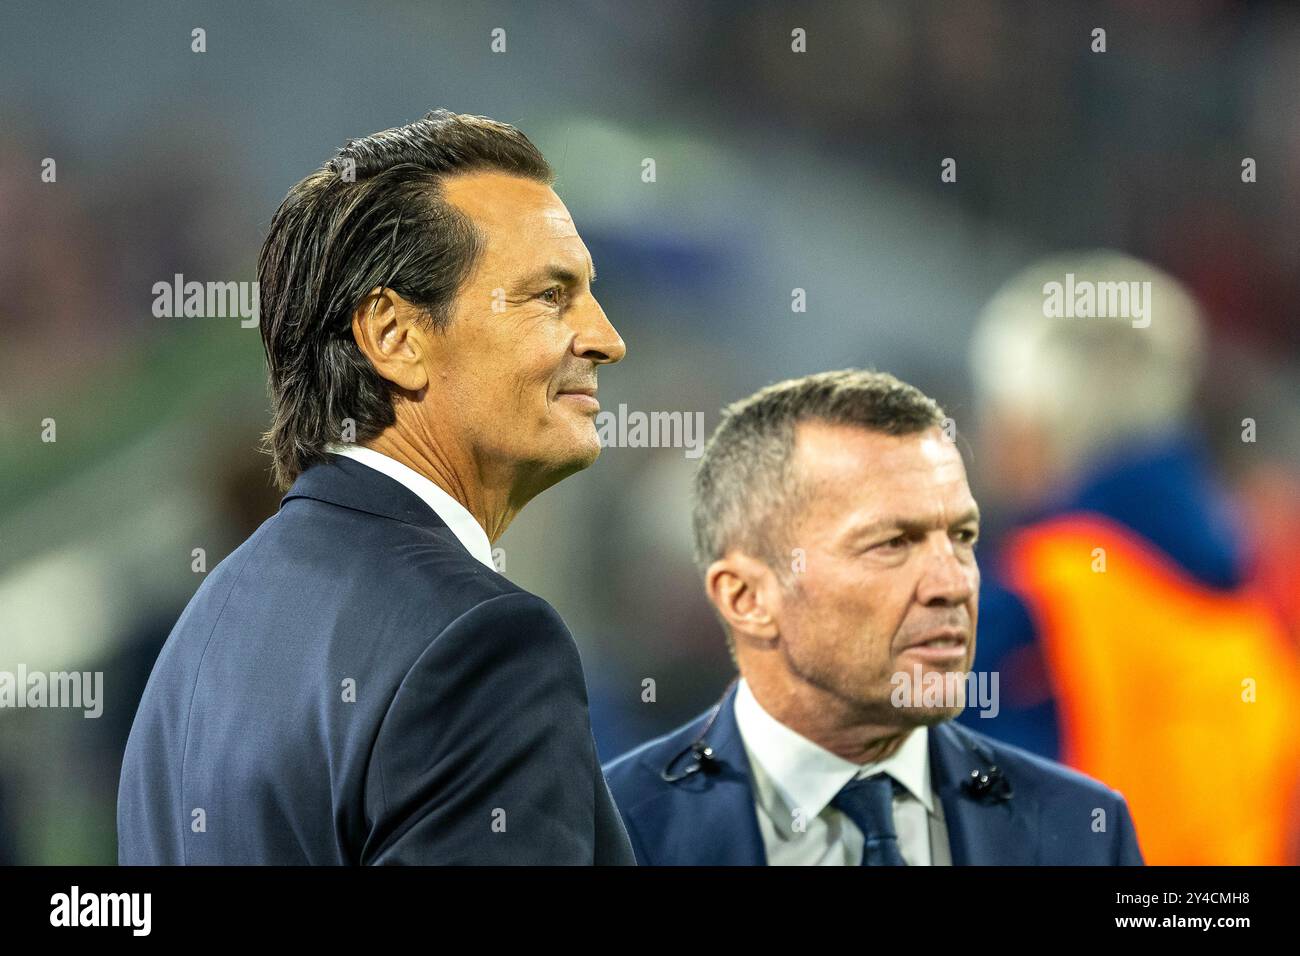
(744, 489)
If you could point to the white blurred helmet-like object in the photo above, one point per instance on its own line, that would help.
(1093, 349)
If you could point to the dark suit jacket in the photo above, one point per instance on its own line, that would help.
(1045, 814)
(466, 738)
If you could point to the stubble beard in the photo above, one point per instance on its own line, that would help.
(866, 700)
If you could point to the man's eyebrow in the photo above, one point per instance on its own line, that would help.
(553, 273)
(910, 525)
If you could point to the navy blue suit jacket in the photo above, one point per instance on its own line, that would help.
(1043, 815)
(351, 686)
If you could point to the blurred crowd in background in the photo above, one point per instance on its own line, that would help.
(774, 171)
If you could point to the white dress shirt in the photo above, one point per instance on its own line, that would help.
(453, 514)
(791, 773)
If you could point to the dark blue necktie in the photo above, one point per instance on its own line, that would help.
(870, 804)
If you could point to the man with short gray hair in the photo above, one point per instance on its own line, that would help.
(836, 534)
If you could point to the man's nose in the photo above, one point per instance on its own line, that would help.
(596, 339)
(947, 580)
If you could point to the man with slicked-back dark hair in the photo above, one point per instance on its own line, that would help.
(356, 683)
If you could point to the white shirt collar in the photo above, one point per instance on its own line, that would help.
(807, 775)
(453, 514)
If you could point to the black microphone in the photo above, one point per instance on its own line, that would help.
(704, 758)
(703, 754)
(987, 784)
(700, 751)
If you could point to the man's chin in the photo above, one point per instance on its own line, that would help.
(927, 716)
(580, 451)
(925, 696)
(586, 448)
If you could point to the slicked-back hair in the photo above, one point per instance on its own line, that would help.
(745, 493)
(373, 216)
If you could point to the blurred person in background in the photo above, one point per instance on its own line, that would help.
(1119, 612)
(836, 535)
(1258, 390)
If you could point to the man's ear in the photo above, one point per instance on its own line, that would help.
(746, 594)
(387, 330)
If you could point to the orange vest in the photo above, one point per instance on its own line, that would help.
(1153, 675)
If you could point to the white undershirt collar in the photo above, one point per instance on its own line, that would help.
(809, 776)
(453, 514)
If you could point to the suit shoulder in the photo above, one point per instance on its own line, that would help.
(425, 571)
(516, 636)
(489, 607)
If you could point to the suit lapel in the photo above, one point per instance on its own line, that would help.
(707, 818)
(987, 829)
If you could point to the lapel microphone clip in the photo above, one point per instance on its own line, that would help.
(988, 786)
